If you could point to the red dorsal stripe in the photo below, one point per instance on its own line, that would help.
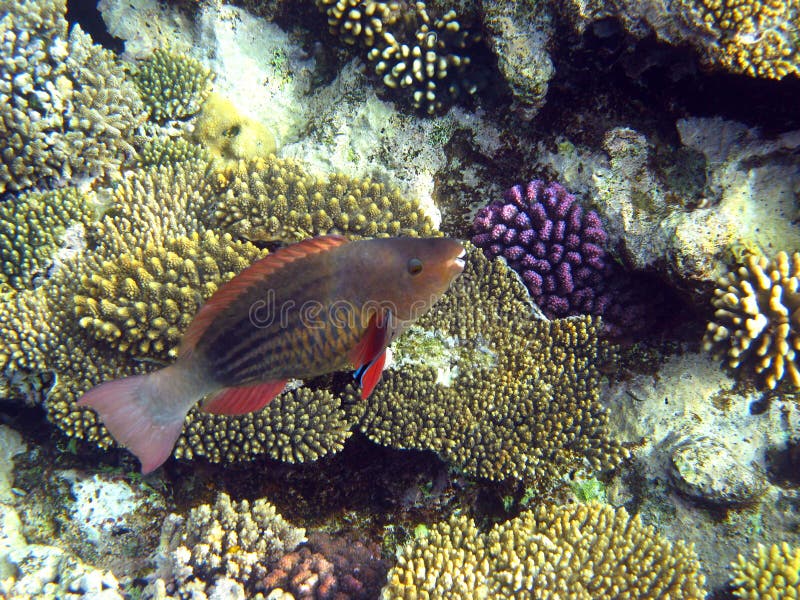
(243, 400)
(249, 277)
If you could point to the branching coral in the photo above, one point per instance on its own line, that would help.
(756, 37)
(157, 150)
(579, 552)
(299, 425)
(757, 320)
(143, 301)
(277, 199)
(428, 58)
(522, 395)
(172, 85)
(33, 228)
(768, 574)
(66, 108)
(235, 541)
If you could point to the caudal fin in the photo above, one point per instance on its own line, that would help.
(139, 416)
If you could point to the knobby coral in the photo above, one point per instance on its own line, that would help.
(757, 321)
(768, 573)
(234, 541)
(66, 108)
(518, 396)
(172, 85)
(427, 58)
(579, 552)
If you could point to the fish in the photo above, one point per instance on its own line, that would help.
(319, 306)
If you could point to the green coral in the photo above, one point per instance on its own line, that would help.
(159, 151)
(768, 573)
(521, 397)
(578, 552)
(276, 199)
(172, 85)
(66, 108)
(426, 58)
(32, 229)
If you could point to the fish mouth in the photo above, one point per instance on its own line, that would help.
(460, 259)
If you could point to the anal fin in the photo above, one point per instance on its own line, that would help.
(243, 400)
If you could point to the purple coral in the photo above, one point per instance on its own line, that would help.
(556, 247)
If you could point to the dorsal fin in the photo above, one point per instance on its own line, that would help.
(249, 277)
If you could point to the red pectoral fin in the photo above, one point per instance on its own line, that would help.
(369, 355)
(372, 375)
(243, 400)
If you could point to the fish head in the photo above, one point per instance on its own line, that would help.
(413, 273)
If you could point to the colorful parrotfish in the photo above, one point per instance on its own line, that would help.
(322, 305)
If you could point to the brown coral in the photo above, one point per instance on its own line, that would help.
(768, 573)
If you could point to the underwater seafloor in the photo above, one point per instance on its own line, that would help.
(605, 404)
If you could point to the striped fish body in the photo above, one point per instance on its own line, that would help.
(308, 309)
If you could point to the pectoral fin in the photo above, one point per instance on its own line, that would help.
(369, 356)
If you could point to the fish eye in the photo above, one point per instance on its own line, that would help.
(414, 266)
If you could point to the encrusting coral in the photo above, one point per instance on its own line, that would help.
(33, 228)
(768, 573)
(428, 59)
(172, 85)
(66, 108)
(276, 199)
(236, 541)
(757, 321)
(575, 552)
(521, 396)
(228, 134)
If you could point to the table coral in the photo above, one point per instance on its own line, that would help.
(429, 59)
(768, 573)
(580, 552)
(66, 108)
(757, 321)
(172, 85)
(234, 540)
(33, 228)
(523, 399)
(276, 199)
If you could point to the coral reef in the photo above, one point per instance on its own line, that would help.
(66, 108)
(768, 573)
(583, 551)
(300, 425)
(757, 317)
(172, 85)
(33, 227)
(520, 398)
(328, 567)
(428, 59)
(755, 37)
(142, 301)
(229, 543)
(277, 199)
(544, 235)
(161, 150)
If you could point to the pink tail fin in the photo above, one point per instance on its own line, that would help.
(133, 410)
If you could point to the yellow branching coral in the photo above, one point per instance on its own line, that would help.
(300, 425)
(757, 320)
(32, 229)
(756, 37)
(768, 574)
(520, 396)
(276, 199)
(172, 85)
(576, 552)
(66, 107)
(143, 300)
